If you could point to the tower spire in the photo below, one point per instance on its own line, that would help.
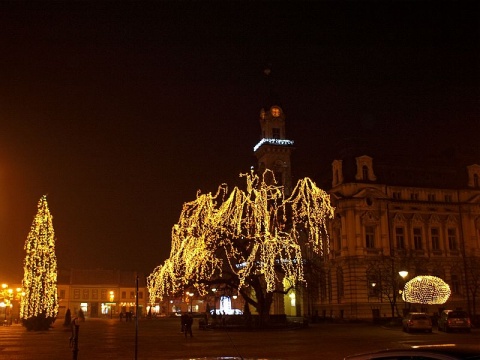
(274, 150)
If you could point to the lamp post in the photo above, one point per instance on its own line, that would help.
(7, 300)
(191, 301)
(403, 274)
(214, 290)
(112, 297)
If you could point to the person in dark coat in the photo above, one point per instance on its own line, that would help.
(182, 322)
(188, 325)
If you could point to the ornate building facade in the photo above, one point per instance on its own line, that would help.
(389, 217)
(393, 214)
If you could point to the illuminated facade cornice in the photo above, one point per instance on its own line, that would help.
(282, 142)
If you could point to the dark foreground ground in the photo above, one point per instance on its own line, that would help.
(161, 339)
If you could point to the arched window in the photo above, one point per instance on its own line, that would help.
(452, 238)
(373, 284)
(400, 237)
(370, 237)
(340, 289)
(455, 284)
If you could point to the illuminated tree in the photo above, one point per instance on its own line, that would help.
(39, 305)
(246, 241)
(426, 289)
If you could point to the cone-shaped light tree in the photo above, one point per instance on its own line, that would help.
(249, 242)
(39, 305)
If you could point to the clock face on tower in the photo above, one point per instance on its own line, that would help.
(275, 111)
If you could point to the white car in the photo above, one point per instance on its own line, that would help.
(227, 312)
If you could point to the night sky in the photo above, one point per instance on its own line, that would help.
(121, 111)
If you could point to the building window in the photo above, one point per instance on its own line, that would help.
(140, 294)
(338, 238)
(476, 182)
(323, 288)
(329, 286)
(104, 294)
(276, 112)
(397, 195)
(414, 196)
(364, 172)
(448, 198)
(431, 197)
(455, 284)
(132, 294)
(276, 133)
(340, 289)
(434, 235)
(62, 294)
(124, 294)
(373, 285)
(417, 238)
(94, 293)
(400, 237)
(85, 294)
(452, 238)
(279, 177)
(76, 293)
(370, 237)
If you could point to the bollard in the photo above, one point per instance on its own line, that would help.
(74, 338)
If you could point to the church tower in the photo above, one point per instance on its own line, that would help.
(274, 150)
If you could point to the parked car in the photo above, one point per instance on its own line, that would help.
(227, 312)
(420, 353)
(417, 321)
(454, 320)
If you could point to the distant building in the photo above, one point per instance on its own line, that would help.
(101, 293)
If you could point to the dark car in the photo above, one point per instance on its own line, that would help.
(417, 321)
(454, 320)
(421, 353)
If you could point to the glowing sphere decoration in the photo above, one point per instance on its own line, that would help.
(426, 289)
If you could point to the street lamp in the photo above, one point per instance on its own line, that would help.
(214, 290)
(7, 298)
(4, 306)
(191, 301)
(403, 274)
(112, 297)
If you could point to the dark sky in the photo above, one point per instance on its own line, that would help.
(121, 111)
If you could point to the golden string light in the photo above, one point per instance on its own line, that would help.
(426, 289)
(40, 267)
(245, 233)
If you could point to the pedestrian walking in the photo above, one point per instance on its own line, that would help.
(182, 323)
(188, 325)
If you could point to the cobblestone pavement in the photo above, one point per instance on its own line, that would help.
(161, 339)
